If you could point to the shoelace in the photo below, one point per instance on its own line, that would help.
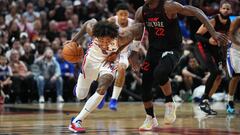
(78, 123)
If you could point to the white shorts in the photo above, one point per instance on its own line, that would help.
(233, 60)
(90, 72)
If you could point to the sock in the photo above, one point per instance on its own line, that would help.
(90, 105)
(205, 96)
(168, 99)
(230, 98)
(149, 111)
(116, 92)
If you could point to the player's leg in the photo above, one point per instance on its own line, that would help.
(233, 63)
(105, 79)
(147, 81)
(89, 73)
(119, 81)
(213, 81)
(166, 65)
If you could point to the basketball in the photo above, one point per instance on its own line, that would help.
(72, 52)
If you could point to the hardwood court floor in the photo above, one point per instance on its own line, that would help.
(51, 119)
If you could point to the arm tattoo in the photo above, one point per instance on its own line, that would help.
(133, 32)
(87, 27)
(104, 81)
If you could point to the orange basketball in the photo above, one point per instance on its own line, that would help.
(72, 52)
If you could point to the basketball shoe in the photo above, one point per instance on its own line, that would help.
(230, 107)
(76, 127)
(170, 113)
(205, 107)
(149, 124)
(113, 104)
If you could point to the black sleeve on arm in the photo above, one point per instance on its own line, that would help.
(202, 39)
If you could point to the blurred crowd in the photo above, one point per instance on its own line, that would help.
(32, 33)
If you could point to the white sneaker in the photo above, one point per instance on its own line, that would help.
(41, 99)
(60, 99)
(177, 98)
(170, 113)
(149, 124)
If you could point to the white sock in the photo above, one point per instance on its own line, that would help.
(116, 92)
(90, 105)
(230, 98)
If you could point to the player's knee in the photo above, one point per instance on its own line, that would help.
(80, 93)
(161, 76)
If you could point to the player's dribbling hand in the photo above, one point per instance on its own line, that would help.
(66, 42)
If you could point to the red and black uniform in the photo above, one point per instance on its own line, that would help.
(213, 56)
(164, 48)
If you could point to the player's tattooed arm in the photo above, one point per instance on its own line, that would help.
(173, 8)
(133, 32)
(86, 28)
(234, 31)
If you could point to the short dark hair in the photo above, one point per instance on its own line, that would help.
(121, 6)
(105, 29)
(224, 2)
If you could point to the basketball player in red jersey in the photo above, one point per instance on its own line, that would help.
(161, 22)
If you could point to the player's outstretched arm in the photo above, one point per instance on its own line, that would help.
(86, 28)
(173, 8)
(234, 30)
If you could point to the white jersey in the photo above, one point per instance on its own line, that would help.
(125, 52)
(96, 54)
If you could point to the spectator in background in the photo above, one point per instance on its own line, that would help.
(30, 14)
(3, 43)
(22, 78)
(67, 73)
(52, 32)
(17, 47)
(49, 75)
(28, 57)
(14, 32)
(57, 13)
(3, 26)
(80, 9)
(193, 74)
(13, 15)
(41, 6)
(5, 79)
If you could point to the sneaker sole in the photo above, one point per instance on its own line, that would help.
(73, 130)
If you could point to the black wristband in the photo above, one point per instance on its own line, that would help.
(202, 39)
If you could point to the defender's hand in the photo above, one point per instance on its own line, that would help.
(222, 39)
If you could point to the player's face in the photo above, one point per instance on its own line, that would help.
(226, 9)
(122, 16)
(104, 42)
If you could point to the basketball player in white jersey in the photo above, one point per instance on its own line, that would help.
(233, 63)
(106, 42)
(122, 20)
